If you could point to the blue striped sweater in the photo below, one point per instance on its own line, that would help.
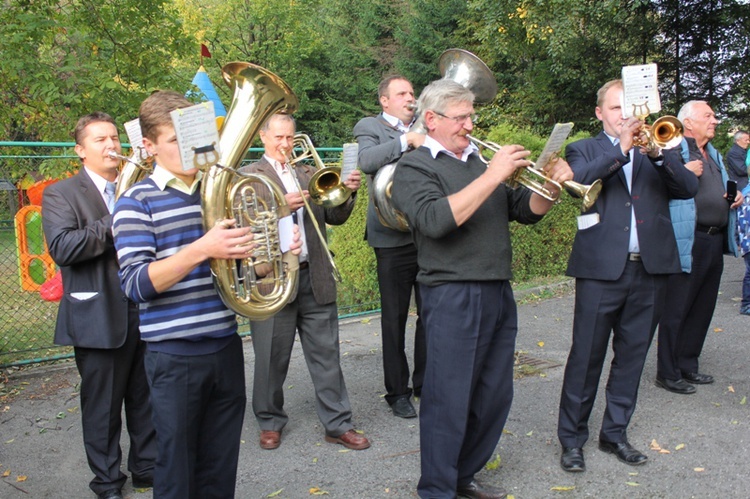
(150, 224)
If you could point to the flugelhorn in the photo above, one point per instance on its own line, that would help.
(225, 193)
(534, 179)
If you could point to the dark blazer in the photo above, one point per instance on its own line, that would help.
(600, 251)
(379, 145)
(736, 166)
(94, 311)
(321, 277)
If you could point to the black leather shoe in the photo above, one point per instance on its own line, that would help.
(111, 494)
(624, 452)
(475, 490)
(403, 408)
(698, 378)
(572, 459)
(679, 386)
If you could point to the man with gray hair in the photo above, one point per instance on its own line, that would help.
(705, 229)
(459, 211)
(736, 159)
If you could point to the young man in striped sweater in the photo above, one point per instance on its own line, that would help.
(194, 361)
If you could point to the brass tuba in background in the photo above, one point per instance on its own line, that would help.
(253, 200)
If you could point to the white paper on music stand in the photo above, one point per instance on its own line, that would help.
(640, 88)
(286, 233)
(195, 127)
(554, 144)
(349, 160)
(135, 138)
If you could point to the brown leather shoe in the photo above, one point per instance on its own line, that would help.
(270, 439)
(475, 490)
(351, 440)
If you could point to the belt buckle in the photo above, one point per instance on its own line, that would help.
(634, 257)
(712, 230)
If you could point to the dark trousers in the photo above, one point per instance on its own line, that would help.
(110, 378)
(629, 310)
(397, 276)
(745, 304)
(689, 308)
(198, 408)
(273, 340)
(468, 388)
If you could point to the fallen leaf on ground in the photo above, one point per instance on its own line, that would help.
(679, 447)
(633, 473)
(560, 488)
(274, 494)
(365, 321)
(633, 484)
(654, 445)
(315, 491)
(718, 330)
(541, 344)
(731, 388)
(6, 473)
(664, 451)
(494, 464)
(743, 401)
(21, 478)
(699, 469)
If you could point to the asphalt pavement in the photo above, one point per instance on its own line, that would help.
(696, 444)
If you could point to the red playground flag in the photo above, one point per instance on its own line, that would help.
(204, 51)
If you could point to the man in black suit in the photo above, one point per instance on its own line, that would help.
(95, 316)
(736, 159)
(382, 140)
(622, 254)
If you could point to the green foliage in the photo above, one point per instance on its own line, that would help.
(355, 260)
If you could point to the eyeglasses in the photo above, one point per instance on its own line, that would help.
(459, 119)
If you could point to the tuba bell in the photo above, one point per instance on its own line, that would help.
(225, 193)
(457, 65)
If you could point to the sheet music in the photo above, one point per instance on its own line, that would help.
(135, 138)
(640, 90)
(349, 160)
(197, 135)
(554, 144)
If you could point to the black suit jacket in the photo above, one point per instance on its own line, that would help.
(600, 251)
(736, 167)
(321, 277)
(379, 145)
(94, 311)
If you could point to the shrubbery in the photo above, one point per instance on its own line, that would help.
(539, 250)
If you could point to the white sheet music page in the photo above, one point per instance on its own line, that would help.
(349, 160)
(554, 144)
(197, 135)
(640, 90)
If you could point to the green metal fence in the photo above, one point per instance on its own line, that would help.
(27, 319)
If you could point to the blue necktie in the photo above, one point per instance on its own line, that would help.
(109, 195)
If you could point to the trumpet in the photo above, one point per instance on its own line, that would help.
(665, 133)
(534, 179)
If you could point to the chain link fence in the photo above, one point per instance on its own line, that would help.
(29, 280)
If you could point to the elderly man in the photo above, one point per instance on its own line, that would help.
(312, 313)
(736, 159)
(622, 255)
(382, 140)
(705, 226)
(459, 211)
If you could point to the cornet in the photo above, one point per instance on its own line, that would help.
(526, 177)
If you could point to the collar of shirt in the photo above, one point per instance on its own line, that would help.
(395, 122)
(436, 147)
(163, 178)
(99, 181)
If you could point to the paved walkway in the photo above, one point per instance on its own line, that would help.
(707, 434)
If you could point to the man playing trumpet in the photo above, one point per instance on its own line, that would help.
(459, 211)
(622, 254)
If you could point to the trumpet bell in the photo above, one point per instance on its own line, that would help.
(588, 193)
(326, 188)
(666, 132)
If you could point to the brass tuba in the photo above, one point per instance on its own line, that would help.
(457, 65)
(225, 193)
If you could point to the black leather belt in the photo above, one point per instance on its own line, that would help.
(303, 265)
(708, 230)
(634, 257)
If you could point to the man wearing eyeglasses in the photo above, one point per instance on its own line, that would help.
(459, 210)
